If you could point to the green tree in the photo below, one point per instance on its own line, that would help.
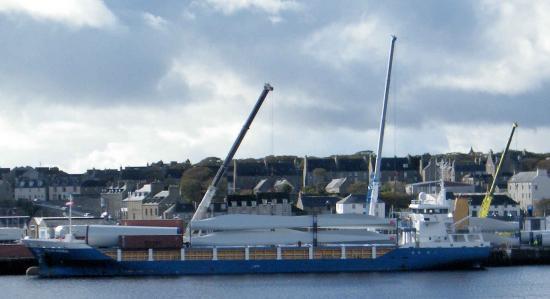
(358, 188)
(319, 179)
(194, 182)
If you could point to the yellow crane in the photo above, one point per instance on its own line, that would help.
(486, 204)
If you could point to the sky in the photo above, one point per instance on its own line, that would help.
(103, 84)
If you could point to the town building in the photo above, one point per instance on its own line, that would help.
(357, 204)
(31, 189)
(272, 203)
(244, 175)
(317, 204)
(155, 207)
(132, 206)
(62, 187)
(398, 169)
(320, 171)
(529, 187)
(111, 198)
(502, 206)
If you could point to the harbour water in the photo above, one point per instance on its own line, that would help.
(502, 282)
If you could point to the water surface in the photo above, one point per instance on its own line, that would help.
(505, 282)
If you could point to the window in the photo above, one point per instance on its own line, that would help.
(353, 206)
(145, 212)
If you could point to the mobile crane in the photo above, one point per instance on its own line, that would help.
(486, 204)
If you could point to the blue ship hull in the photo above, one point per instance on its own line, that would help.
(91, 262)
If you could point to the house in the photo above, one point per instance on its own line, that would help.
(31, 189)
(357, 204)
(132, 206)
(92, 187)
(155, 207)
(111, 198)
(398, 169)
(272, 203)
(502, 206)
(317, 171)
(246, 174)
(529, 187)
(62, 187)
(433, 187)
(314, 204)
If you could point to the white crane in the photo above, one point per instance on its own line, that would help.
(374, 184)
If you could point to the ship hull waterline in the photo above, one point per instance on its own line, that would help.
(92, 262)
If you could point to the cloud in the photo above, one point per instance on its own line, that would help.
(75, 13)
(512, 55)
(273, 7)
(156, 22)
(340, 44)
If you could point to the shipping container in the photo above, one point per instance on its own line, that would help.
(108, 235)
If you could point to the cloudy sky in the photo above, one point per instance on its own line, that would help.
(92, 83)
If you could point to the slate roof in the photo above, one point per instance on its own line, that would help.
(399, 164)
(523, 177)
(311, 201)
(498, 199)
(30, 184)
(326, 163)
(352, 164)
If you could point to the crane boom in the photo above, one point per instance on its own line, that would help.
(486, 204)
(211, 191)
(374, 184)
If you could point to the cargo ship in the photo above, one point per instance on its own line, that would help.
(245, 244)
(15, 257)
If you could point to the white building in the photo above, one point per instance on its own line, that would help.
(502, 206)
(529, 187)
(31, 190)
(357, 204)
(132, 206)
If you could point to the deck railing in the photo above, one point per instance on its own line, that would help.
(252, 253)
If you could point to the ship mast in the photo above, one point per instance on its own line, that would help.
(374, 186)
(211, 191)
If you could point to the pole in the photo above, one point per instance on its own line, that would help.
(71, 215)
(375, 179)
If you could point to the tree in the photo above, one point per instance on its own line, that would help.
(399, 201)
(191, 190)
(319, 179)
(358, 188)
(194, 182)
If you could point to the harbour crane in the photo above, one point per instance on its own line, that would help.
(374, 184)
(486, 204)
(212, 188)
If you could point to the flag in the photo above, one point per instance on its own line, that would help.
(70, 202)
